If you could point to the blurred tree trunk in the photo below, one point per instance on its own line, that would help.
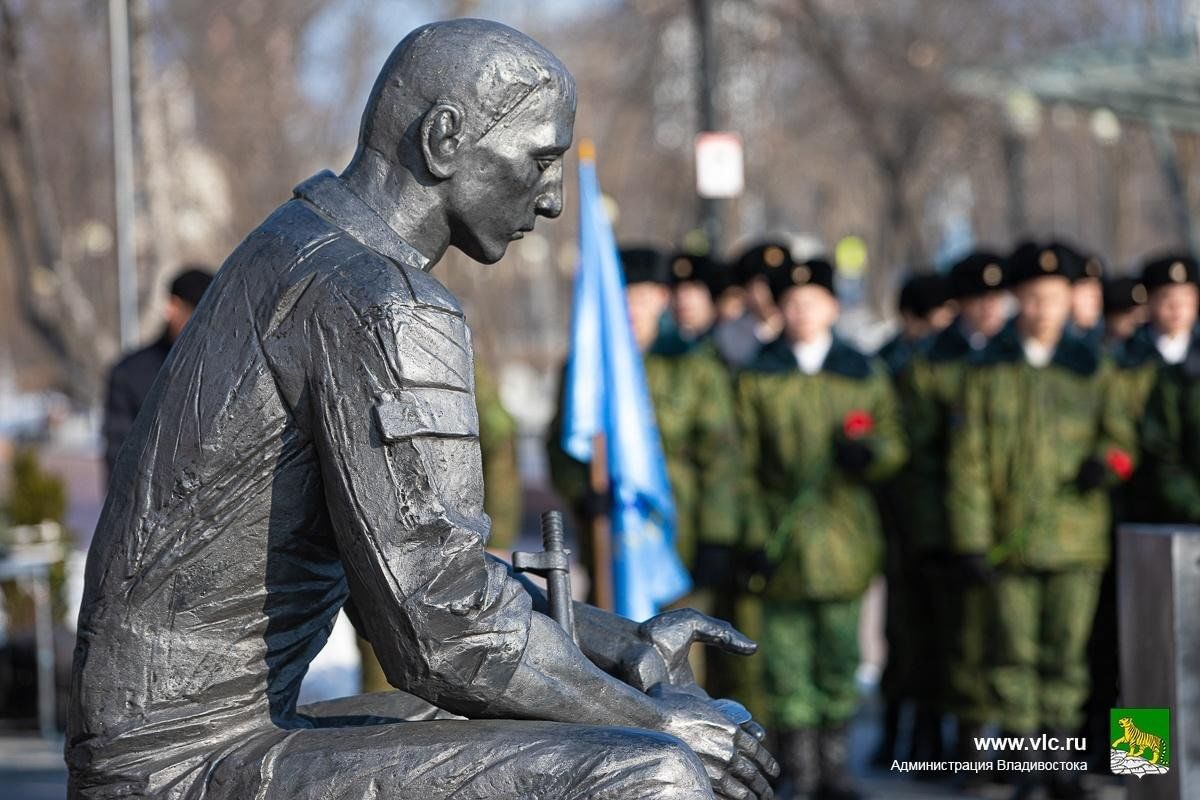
(51, 299)
(891, 148)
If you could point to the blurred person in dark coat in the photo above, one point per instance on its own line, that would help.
(131, 378)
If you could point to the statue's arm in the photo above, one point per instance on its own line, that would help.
(603, 636)
(648, 654)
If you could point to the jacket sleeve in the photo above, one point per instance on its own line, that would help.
(1170, 431)
(715, 445)
(969, 504)
(888, 442)
(1118, 428)
(754, 522)
(393, 419)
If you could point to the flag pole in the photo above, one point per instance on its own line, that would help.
(601, 527)
(602, 563)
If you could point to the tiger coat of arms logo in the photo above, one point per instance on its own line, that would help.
(1141, 743)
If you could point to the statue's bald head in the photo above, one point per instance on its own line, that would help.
(464, 134)
(487, 69)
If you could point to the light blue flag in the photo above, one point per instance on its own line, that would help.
(606, 393)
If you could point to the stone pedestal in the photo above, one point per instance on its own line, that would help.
(1158, 601)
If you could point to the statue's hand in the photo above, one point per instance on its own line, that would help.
(727, 741)
(660, 656)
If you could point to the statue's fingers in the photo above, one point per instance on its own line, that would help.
(733, 710)
(751, 747)
(749, 774)
(754, 729)
(732, 788)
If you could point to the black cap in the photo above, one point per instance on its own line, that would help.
(1093, 267)
(762, 259)
(979, 273)
(644, 265)
(1123, 294)
(922, 294)
(814, 272)
(190, 284)
(1032, 260)
(686, 268)
(1169, 269)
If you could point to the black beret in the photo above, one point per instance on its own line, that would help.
(1032, 260)
(760, 260)
(645, 265)
(1169, 269)
(686, 267)
(979, 273)
(1123, 294)
(924, 293)
(190, 284)
(814, 272)
(1093, 267)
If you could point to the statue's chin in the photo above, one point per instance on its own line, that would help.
(483, 252)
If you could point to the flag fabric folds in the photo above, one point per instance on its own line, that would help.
(606, 393)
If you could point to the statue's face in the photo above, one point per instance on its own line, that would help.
(511, 176)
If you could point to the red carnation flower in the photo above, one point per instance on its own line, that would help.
(1119, 462)
(857, 424)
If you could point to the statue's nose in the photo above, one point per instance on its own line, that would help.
(549, 204)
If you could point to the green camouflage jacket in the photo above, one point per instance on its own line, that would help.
(1170, 441)
(817, 523)
(1138, 361)
(1014, 459)
(693, 406)
(929, 389)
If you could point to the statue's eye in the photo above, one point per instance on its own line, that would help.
(545, 162)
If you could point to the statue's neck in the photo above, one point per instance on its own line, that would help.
(413, 210)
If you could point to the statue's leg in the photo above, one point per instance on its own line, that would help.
(461, 759)
(376, 708)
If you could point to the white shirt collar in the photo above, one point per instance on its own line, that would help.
(811, 355)
(1173, 349)
(1037, 354)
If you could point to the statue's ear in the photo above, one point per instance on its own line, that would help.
(441, 136)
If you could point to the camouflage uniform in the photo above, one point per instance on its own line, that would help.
(948, 624)
(1017, 494)
(1170, 442)
(813, 521)
(1138, 361)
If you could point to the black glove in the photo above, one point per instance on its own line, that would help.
(714, 566)
(974, 568)
(853, 456)
(1092, 473)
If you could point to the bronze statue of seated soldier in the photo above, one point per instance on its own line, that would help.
(312, 441)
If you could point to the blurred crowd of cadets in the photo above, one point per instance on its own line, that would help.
(981, 461)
